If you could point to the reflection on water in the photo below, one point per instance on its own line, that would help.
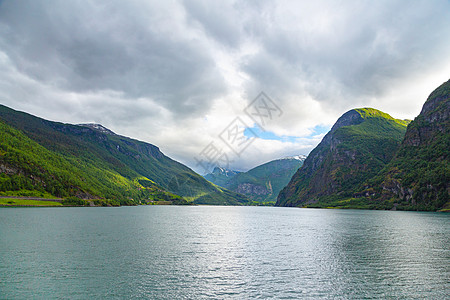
(222, 252)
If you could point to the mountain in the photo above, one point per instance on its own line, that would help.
(220, 176)
(90, 161)
(357, 147)
(418, 176)
(262, 183)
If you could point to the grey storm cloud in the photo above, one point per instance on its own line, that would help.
(145, 49)
(221, 20)
(156, 69)
(364, 46)
(119, 46)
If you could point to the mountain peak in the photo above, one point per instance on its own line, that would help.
(368, 112)
(359, 115)
(296, 157)
(98, 127)
(437, 106)
(224, 172)
(352, 117)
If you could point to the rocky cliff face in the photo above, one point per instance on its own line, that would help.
(432, 120)
(358, 146)
(418, 177)
(253, 189)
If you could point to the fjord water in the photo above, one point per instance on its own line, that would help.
(174, 252)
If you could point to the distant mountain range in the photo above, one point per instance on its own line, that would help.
(88, 161)
(371, 160)
(262, 183)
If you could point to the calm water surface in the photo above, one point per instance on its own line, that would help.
(170, 252)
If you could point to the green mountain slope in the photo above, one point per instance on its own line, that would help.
(29, 169)
(262, 183)
(419, 175)
(100, 163)
(357, 147)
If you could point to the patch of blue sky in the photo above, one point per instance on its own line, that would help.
(319, 129)
(256, 131)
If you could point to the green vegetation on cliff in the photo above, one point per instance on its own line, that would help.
(418, 177)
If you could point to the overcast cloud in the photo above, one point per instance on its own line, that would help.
(176, 73)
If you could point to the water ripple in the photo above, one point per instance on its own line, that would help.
(223, 253)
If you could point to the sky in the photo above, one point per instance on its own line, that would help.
(229, 83)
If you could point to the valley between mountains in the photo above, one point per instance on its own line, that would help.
(368, 160)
